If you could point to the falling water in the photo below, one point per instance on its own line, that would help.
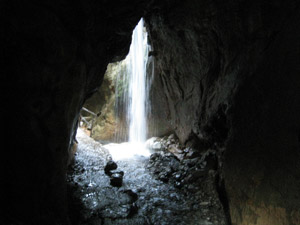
(131, 95)
(137, 85)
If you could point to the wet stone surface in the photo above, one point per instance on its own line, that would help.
(160, 190)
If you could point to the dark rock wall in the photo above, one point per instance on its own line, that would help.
(193, 56)
(54, 55)
(263, 155)
(229, 72)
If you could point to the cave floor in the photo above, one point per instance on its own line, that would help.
(142, 198)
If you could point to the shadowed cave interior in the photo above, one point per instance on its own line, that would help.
(225, 105)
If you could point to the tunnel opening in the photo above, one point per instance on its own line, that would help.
(138, 181)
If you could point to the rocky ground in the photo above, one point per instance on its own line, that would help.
(167, 188)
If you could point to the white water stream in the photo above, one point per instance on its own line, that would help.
(137, 85)
(135, 100)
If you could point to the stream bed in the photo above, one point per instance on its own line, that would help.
(157, 190)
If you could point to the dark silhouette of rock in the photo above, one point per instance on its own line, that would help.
(116, 178)
(110, 165)
(132, 195)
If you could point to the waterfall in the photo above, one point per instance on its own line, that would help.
(131, 98)
(137, 85)
(132, 87)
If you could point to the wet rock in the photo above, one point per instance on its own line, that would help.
(178, 184)
(116, 211)
(191, 162)
(110, 165)
(178, 176)
(154, 156)
(168, 154)
(117, 172)
(132, 195)
(192, 188)
(163, 177)
(195, 175)
(163, 165)
(132, 210)
(116, 179)
(155, 144)
(96, 168)
(209, 160)
(143, 198)
(202, 165)
(204, 204)
(176, 151)
(157, 201)
(174, 196)
(192, 153)
(174, 163)
(172, 138)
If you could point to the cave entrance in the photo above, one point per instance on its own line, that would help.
(120, 182)
(119, 120)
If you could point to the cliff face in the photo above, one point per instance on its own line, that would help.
(229, 78)
(226, 77)
(102, 102)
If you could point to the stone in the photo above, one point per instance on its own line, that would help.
(117, 172)
(171, 137)
(133, 210)
(177, 176)
(186, 150)
(190, 162)
(195, 175)
(116, 179)
(110, 165)
(96, 168)
(178, 184)
(132, 194)
(193, 153)
(150, 142)
(175, 150)
(156, 146)
(204, 203)
(174, 196)
(168, 154)
(154, 156)
(163, 177)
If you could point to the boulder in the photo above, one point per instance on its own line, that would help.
(116, 178)
(110, 165)
(154, 144)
